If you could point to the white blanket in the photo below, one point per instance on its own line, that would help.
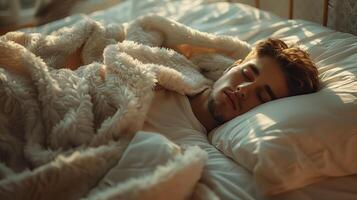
(90, 115)
(329, 48)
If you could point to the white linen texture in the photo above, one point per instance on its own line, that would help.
(293, 142)
(78, 124)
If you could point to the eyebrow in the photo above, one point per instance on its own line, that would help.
(270, 92)
(254, 69)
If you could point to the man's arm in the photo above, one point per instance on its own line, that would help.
(155, 30)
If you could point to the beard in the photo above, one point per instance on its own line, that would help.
(212, 108)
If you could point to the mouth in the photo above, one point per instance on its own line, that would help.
(231, 99)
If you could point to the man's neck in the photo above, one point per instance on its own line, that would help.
(199, 105)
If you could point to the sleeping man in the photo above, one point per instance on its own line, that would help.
(108, 96)
(117, 67)
(49, 110)
(272, 70)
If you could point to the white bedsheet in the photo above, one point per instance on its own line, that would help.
(327, 47)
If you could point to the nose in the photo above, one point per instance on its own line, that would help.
(242, 90)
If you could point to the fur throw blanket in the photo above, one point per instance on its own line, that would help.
(62, 130)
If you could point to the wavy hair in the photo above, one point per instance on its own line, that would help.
(299, 69)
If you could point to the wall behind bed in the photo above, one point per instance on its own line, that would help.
(342, 14)
(303, 9)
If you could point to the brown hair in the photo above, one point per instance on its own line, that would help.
(300, 71)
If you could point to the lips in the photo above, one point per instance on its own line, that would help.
(231, 99)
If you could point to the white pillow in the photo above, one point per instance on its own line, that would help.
(295, 141)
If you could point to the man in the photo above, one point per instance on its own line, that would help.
(271, 71)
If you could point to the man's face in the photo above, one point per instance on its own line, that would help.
(245, 86)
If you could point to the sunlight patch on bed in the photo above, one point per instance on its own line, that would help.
(223, 7)
(307, 32)
(262, 121)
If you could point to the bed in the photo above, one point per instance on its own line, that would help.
(222, 172)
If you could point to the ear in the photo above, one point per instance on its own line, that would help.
(237, 62)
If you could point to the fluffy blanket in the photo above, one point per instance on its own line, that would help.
(63, 129)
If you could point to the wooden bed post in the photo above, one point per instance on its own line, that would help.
(257, 4)
(291, 9)
(325, 13)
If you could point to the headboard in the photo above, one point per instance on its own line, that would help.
(291, 9)
(340, 15)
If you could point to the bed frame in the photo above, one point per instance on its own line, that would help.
(291, 9)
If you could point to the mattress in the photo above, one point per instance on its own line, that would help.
(225, 177)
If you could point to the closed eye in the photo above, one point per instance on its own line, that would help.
(248, 74)
(270, 92)
(260, 97)
(266, 94)
(263, 96)
(254, 69)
